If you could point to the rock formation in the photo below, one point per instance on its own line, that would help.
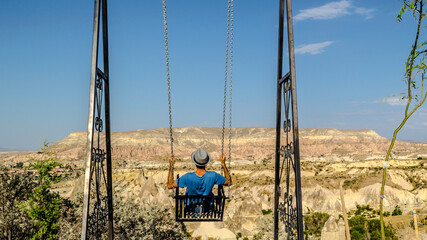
(247, 143)
(333, 230)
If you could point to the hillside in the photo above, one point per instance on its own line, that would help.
(249, 143)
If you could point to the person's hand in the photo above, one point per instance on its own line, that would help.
(172, 160)
(222, 158)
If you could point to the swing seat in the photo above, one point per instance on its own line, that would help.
(200, 208)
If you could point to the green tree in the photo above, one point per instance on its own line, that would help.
(43, 205)
(415, 93)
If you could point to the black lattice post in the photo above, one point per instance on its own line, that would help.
(97, 200)
(287, 207)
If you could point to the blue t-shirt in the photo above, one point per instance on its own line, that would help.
(201, 186)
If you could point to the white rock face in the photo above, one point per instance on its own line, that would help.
(341, 229)
(325, 200)
(210, 230)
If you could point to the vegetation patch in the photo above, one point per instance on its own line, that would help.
(314, 222)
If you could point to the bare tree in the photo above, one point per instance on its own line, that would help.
(415, 94)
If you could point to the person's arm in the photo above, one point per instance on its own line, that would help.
(171, 184)
(227, 175)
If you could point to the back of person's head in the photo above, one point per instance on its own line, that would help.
(200, 158)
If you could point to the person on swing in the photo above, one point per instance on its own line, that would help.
(200, 182)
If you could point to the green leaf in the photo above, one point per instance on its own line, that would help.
(402, 10)
(412, 5)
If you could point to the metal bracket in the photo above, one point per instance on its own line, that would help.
(101, 74)
(285, 78)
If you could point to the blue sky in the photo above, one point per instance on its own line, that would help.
(349, 56)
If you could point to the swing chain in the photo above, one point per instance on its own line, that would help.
(230, 13)
(168, 74)
(172, 158)
(228, 54)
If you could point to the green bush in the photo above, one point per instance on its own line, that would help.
(266, 212)
(389, 234)
(19, 165)
(314, 222)
(133, 221)
(376, 235)
(396, 211)
(357, 220)
(361, 228)
(374, 225)
(356, 235)
(265, 230)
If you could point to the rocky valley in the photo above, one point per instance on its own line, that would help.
(329, 157)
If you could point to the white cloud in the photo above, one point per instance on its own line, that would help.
(368, 13)
(332, 10)
(313, 49)
(394, 101)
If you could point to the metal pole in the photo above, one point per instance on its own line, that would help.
(278, 121)
(89, 144)
(107, 120)
(298, 194)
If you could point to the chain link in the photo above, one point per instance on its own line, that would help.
(168, 73)
(231, 6)
(225, 78)
(229, 54)
(165, 25)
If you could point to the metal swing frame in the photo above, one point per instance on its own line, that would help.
(287, 207)
(97, 158)
(98, 217)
